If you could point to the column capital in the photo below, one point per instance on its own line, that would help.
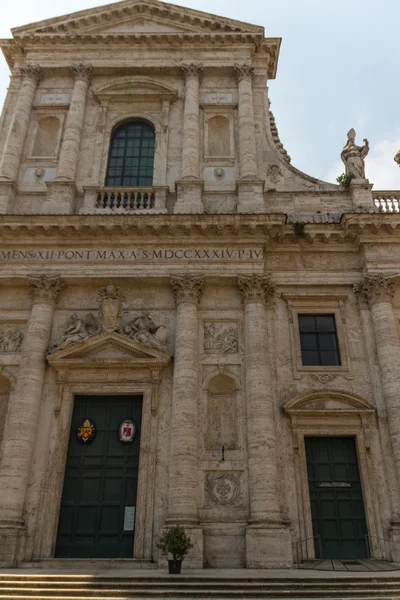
(29, 71)
(256, 288)
(377, 288)
(44, 288)
(81, 71)
(244, 72)
(187, 288)
(192, 70)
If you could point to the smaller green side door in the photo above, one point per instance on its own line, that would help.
(337, 505)
(97, 516)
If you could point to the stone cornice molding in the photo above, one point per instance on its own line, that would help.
(33, 72)
(377, 288)
(45, 289)
(187, 288)
(244, 72)
(192, 70)
(82, 72)
(256, 288)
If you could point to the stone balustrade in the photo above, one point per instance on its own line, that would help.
(124, 200)
(387, 202)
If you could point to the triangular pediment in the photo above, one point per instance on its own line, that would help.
(106, 349)
(137, 17)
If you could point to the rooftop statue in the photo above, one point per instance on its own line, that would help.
(354, 156)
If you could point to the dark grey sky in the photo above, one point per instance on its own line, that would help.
(339, 68)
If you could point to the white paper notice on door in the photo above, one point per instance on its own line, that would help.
(129, 518)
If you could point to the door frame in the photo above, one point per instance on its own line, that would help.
(331, 413)
(58, 450)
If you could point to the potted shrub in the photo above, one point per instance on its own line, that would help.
(174, 542)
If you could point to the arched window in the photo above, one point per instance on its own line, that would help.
(131, 158)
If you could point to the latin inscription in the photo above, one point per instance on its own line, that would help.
(132, 254)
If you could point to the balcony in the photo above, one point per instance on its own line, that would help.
(124, 200)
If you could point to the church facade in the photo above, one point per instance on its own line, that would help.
(192, 331)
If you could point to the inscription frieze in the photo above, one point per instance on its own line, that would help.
(135, 254)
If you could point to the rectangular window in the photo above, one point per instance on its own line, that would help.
(319, 340)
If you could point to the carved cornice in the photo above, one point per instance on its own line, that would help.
(377, 288)
(256, 288)
(187, 288)
(45, 289)
(244, 72)
(83, 72)
(33, 72)
(192, 70)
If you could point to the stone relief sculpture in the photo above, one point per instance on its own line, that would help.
(76, 330)
(10, 338)
(141, 329)
(397, 158)
(111, 299)
(223, 489)
(144, 330)
(354, 156)
(220, 338)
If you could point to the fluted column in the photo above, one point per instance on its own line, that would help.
(69, 154)
(10, 161)
(23, 413)
(265, 525)
(189, 187)
(250, 188)
(378, 290)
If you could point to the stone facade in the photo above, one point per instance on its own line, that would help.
(186, 292)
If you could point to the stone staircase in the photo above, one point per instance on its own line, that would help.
(21, 586)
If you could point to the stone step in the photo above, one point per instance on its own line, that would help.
(177, 583)
(88, 564)
(188, 595)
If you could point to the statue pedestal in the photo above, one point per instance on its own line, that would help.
(361, 195)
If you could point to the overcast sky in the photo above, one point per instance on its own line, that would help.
(339, 68)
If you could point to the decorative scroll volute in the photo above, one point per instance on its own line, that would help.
(244, 72)
(192, 70)
(81, 71)
(256, 288)
(44, 288)
(377, 288)
(187, 288)
(33, 72)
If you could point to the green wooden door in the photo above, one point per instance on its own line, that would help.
(100, 486)
(337, 506)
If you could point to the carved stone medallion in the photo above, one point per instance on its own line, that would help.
(223, 489)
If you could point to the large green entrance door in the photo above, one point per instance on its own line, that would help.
(99, 498)
(337, 505)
